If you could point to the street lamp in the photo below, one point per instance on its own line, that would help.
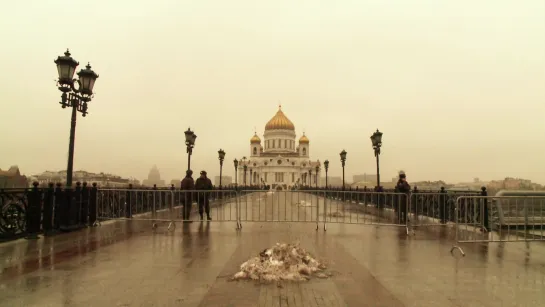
(190, 138)
(310, 178)
(236, 168)
(316, 180)
(343, 161)
(376, 139)
(326, 165)
(221, 155)
(251, 178)
(76, 98)
(245, 168)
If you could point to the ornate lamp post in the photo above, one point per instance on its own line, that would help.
(236, 169)
(317, 170)
(343, 162)
(251, 178)
(326, 166)
(221, 155)
(190, 138)
(245, 167)
(376, 139)
(310, 178)
(76, 98)
(245, 170)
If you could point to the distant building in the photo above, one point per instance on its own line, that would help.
(432, 185)
(370, 181)
(225, 180)
(12, 178)
(510, 183)
(365, 178)
(101, 179)
(154, 178)
(474, 185)
(50, 177)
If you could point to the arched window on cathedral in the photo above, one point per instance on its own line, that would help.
(255, 151)
(304, 151)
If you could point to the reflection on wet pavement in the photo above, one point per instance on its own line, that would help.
(126, 263)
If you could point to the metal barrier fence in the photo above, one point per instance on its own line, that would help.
(279, 206)
(432, 209)
(386, 209)
(474, 218)
(367, 208)
(167, 206)
(483, 219)
(518, 216)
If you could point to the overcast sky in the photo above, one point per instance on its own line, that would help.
(457, 86)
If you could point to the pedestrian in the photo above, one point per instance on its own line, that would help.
(203, 183)
(403, 186)
(187, 186)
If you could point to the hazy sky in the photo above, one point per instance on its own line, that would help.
(457, 86)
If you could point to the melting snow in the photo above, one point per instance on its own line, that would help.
(282, 262)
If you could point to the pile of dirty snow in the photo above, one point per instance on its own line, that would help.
(282, 262)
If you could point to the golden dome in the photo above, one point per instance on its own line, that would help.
(279, 122)
(255, 139)
(304, 139)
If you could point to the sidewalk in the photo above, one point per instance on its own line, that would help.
(125, 263)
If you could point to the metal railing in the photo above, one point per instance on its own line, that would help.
(367, 208)
(167, 205)
(278, 206)
(386, 209)
(510, 216)
(483, 219)
(432, 209)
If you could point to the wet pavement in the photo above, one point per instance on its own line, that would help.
(126, 263)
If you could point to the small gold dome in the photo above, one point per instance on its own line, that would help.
(255, 139)
(304, 139)
(279, 122)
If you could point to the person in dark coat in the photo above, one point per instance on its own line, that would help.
(402, 186)
(187, 185)
(203, 183)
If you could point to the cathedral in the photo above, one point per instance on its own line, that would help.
(279, 161)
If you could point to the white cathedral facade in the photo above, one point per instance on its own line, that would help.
(279, 160)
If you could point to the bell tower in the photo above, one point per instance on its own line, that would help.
(255, 145)
(304, 146)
